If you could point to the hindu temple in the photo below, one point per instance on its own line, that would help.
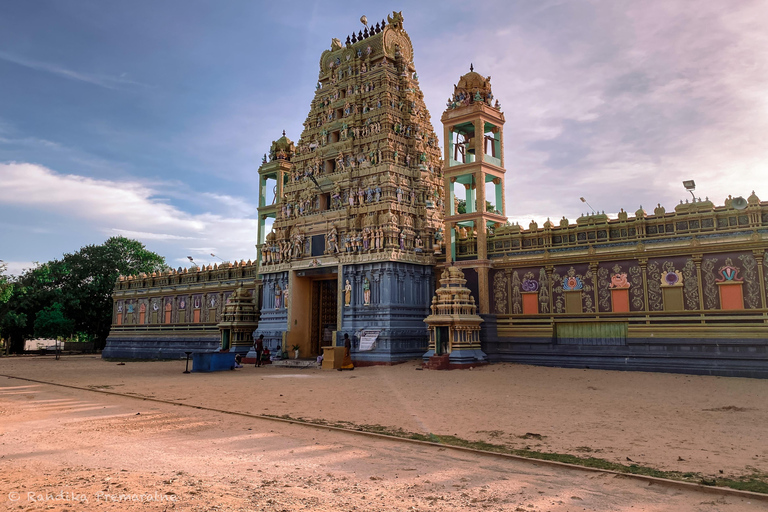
(360, 214)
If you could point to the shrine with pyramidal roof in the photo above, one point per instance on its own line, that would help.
(359, 216)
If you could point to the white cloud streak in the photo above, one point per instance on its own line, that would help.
(106, 81)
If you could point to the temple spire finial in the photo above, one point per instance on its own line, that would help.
(283, 133)
(471, 67)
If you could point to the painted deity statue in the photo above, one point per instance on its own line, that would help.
(366, 292)
(347, 293)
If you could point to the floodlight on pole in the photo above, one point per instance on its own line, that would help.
(585, 202)
(690, 186)
(191, 260)
(213, 255)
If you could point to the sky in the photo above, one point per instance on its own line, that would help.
(148, 118)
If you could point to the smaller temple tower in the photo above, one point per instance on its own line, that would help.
(474, 160)
(273, 173)
(240, 318)
(454, 325)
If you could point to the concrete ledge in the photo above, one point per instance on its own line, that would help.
(698, 356)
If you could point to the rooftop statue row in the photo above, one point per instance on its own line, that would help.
(180, 270)
(683, 209)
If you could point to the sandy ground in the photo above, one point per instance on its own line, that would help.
(64, 449)
(52, 438)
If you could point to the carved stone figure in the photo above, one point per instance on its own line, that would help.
(347, 293)
(366, 292)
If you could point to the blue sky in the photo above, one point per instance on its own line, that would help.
(149, 118)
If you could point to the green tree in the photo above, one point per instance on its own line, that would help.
(51, 322)
(6, 286)
(13, 326)
(74, 293)
(461, 207)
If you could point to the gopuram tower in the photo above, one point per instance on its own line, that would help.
(357, 207)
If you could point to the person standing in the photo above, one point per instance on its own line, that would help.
(258, 346)
(347, 364)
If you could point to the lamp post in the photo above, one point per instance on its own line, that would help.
(585, 202)
(690, 186)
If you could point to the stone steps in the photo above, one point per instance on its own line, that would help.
(296, 363)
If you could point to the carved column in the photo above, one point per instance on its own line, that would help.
(697, 261)
(549, 269)
(593, 269)
(643, 263)
(759, 255)
(483, 291)
(479, 140)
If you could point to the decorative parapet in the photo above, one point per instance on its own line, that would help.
(183, 276)
(693, 219)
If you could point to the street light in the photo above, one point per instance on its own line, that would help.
(193, 261)
(585, 202)
(690, 186)
(217, 257)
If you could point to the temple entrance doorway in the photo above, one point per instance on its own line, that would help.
(324, 311)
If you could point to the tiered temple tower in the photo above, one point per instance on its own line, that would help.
(474, 152)
(357, 206)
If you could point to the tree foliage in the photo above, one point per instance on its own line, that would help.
(6, 286)
(73, 294)
(461, 206)
(52, 322)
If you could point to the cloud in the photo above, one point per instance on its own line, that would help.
(16, 268)
(620, 101)
(130, 208)
(144, 235)
(106, 81)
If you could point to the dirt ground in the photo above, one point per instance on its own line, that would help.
(65, 440)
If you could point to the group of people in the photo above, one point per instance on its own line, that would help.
(263, 354)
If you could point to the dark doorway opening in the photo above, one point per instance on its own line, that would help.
(324, 303)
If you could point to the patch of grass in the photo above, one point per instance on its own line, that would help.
(754, 482)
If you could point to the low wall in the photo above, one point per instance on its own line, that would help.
(131, 343)
(733, 345)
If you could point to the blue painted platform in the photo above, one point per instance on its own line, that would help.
(213, 361)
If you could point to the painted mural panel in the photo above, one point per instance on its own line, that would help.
(717, 269)
(569, 279)
(672, 272)
(509, 287)
(619, 275)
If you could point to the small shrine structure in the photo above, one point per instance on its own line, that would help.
(454, 325)
(240, 318)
